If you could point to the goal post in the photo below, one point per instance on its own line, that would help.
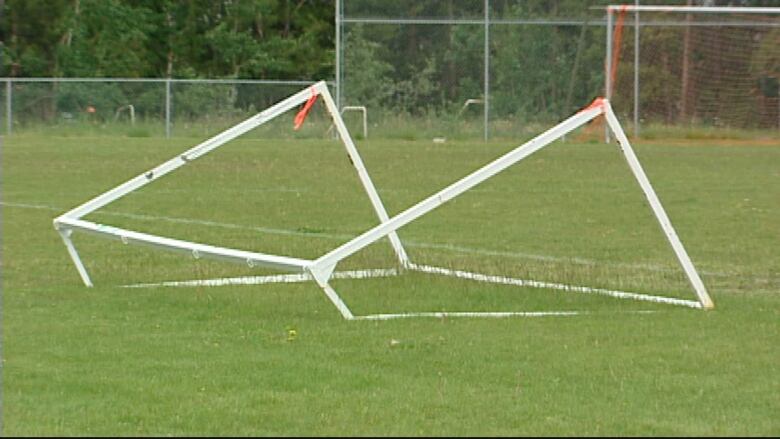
(323, 269)
(709, 66)
(364, 117)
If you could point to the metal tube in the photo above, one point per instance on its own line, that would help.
(197, 250)
(193, 153)
(432, 202)
(686, 9)
(74, 256)
(544, 22)
(362, 172)
(658, 209)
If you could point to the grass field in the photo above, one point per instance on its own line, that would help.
(222, 361)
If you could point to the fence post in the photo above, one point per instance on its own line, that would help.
(168, 108)
(608, 68)
(338, 54)
(8, 106)
(486, 105)
(636, 72)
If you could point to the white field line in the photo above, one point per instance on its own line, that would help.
(271, 279)
(382, 272)
(373, 273)
(361, 274)
(343, 237)
(480, 314)
(551, 285)
(270, 231)
(543, 258)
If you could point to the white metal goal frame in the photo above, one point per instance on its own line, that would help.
(637, 10)
(322, 269)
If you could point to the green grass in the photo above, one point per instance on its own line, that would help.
(219, 361)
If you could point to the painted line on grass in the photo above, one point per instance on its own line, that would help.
(480, 314)
(387, 272)
(271, 279)
(409, 243)
(479, 277)
(175, 220)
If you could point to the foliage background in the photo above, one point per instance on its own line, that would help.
(538, 72)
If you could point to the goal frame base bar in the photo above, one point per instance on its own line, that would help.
(427, 269)
(321, 270)
(433, 270)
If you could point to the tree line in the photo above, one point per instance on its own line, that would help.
(276, 39)
(537, 69)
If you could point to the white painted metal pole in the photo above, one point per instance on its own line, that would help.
(696, 9)
(74, 256)
(365, 179)
(191, 154)
(457, 188)
(335, 299)
(197, 250)
(658, 210)
(365, 123)
(71, 220)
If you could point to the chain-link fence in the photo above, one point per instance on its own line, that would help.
(506, 68)
(466, 69)
(469, 68)
(136, 107)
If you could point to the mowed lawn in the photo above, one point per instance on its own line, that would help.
(279, 359)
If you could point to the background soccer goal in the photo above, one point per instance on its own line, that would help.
(694, 66)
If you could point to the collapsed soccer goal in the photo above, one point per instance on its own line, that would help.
(322, 270)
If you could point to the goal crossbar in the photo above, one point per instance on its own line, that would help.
(694, 9)
(321, 270)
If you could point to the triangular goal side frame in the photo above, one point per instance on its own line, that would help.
(72, 220)
(321, 270)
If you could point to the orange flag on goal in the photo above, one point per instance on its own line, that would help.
(301, 116)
